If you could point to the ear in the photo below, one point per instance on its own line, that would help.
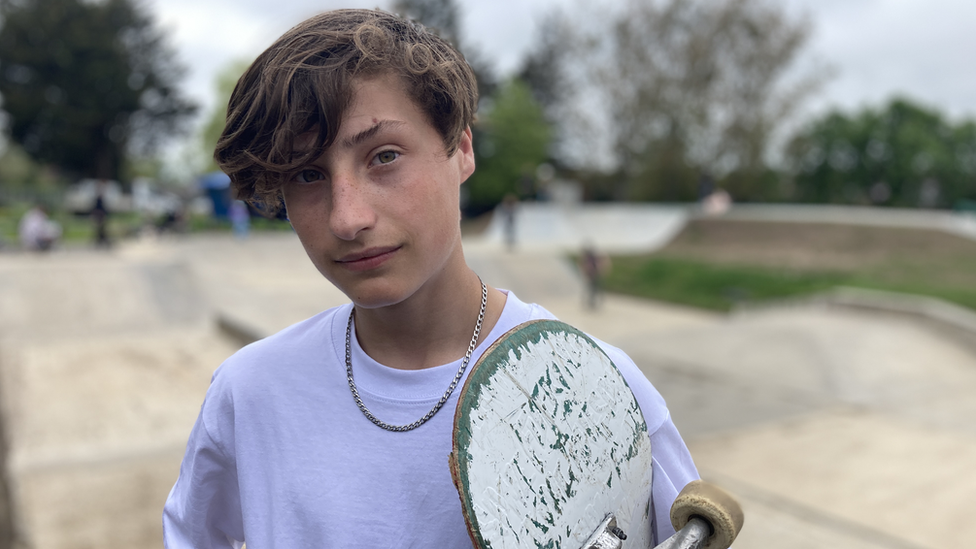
(465, 154)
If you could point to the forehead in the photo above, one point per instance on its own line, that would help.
(376, 104)
(381, 94)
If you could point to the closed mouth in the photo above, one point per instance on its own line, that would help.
(368, 258)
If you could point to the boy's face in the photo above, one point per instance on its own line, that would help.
(377, 213)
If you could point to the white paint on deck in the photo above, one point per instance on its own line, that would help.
(557, 442)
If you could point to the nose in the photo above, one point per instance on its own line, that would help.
(351, 210)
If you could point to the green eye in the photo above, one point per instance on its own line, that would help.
(386, 157)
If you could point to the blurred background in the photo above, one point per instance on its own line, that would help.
(769, 204)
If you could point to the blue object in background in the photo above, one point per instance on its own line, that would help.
(217, 187)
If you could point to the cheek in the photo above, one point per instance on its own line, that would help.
(292, 204)
(310, 226)
(296, 216)
(302, 206)
(445, 214)
(430, 213)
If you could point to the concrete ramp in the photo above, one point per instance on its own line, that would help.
(641, 227)
(836, 427)
(958, 223)
(612, 227)
(104, 361)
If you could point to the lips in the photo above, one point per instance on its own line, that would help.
(367, 259)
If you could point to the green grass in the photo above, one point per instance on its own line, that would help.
(719, 264)
(720, 287)
(75, 228)
(206, 223)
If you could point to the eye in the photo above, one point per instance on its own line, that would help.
(308, 176)
(385, 157)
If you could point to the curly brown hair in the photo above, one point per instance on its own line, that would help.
(303, 84)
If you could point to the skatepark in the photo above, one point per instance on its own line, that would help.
(836, 426)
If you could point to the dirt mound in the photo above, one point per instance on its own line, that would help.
(820, 246)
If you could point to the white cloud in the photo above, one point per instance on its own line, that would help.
(879, 48)
(883, 48)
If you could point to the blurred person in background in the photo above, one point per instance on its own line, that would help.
(509, 208)
(594, 265)
(99, 215)
(37, 231)
(240, 218)
(717, 202)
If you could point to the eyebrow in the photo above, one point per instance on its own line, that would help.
(370, 132)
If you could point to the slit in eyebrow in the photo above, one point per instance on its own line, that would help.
(370, 132)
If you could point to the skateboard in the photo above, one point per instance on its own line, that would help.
(548, 442)
(550, 450)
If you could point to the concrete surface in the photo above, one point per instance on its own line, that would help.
(958, 223)
(614, 227)
(835, 428)
(104, 361)
(639, 227)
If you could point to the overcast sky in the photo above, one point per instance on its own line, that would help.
(877, 48)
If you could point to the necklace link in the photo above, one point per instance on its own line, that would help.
(447, 394)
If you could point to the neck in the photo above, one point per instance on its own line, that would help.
(432, 327)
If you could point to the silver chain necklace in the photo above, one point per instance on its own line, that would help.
(447, 394)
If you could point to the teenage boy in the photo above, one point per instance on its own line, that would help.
(335, 432)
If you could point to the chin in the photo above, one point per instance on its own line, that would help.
(370, 295)
(374, 302)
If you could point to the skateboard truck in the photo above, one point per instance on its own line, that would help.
(606, 536)
(703, 516)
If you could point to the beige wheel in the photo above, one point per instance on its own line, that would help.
(715, 506)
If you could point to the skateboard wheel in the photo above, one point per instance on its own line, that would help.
(715, 506)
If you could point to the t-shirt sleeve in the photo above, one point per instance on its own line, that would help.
(673, 469)
(203, 510)
(672, 463)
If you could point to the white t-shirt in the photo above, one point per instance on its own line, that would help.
(282, 457)
(36, 230)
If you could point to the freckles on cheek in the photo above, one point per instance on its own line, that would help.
(302, 221)
(304, 207)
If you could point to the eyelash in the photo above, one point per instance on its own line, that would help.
(300, 176)
(383, 152)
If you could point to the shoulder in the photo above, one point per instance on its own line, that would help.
(276, 369)
(652, 404)
(279, 363)
(292, 348)
(517, 312)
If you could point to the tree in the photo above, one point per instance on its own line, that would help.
(546, 71)
(439, 15)
(223, 88)
(21, 177)
(689, 88)
(514, 141)
(543, 68)
(903, 154)
(443, 17)
(86, 83)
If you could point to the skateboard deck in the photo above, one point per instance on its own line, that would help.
(548, 442)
